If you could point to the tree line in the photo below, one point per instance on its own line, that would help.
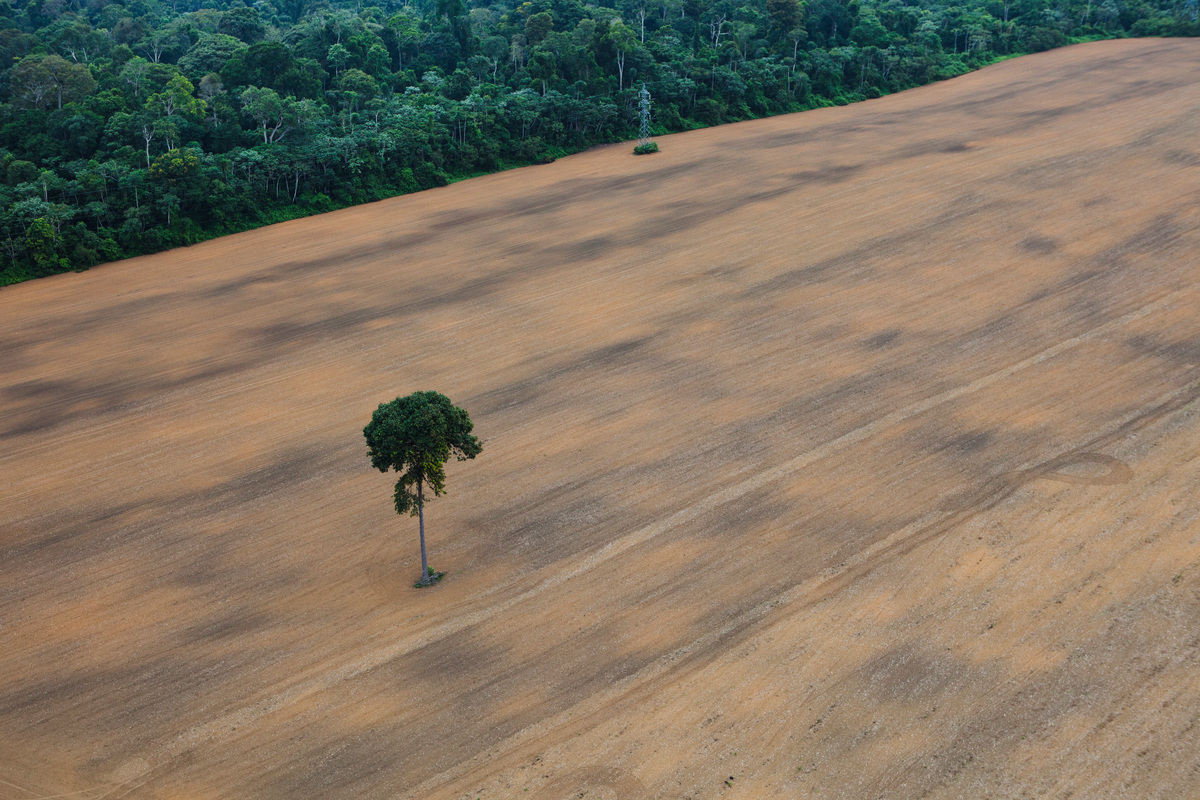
(131, 127)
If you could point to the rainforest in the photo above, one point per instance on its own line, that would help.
(131, 128)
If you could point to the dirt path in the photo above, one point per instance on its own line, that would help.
(847, 454)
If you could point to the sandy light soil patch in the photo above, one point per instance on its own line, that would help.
(847, 454)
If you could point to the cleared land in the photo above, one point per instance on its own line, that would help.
(849, 454)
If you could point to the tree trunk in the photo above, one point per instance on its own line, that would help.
(421, 518)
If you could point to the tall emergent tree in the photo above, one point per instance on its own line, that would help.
(416, 435)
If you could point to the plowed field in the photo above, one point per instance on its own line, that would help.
(845, 454)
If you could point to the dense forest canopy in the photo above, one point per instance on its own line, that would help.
(130, 127)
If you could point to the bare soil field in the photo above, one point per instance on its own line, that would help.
(848, 454)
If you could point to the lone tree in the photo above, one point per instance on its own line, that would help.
(416, 435)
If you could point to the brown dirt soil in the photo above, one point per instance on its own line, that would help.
(849, 454)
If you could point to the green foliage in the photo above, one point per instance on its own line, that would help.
(129, 128)
(242, 23)
(415, 436)
(22, 172)
(209, 54)
(42, 245)
(173, 165)
(538, 26)
(49, 81)
(645, 149)
(176, 98)
(430, 578)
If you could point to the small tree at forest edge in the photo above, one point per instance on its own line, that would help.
(416, 435)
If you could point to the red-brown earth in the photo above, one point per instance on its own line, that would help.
(844, 454)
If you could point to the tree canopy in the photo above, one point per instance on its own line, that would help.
(416, 436)
(293, 107)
